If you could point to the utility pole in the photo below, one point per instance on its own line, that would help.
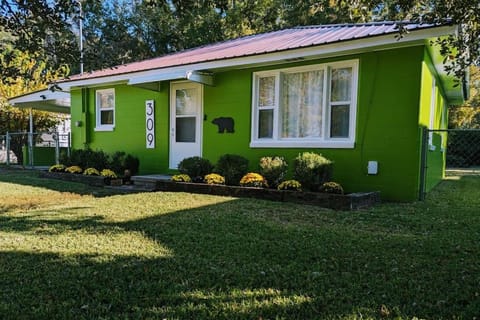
(80, 33)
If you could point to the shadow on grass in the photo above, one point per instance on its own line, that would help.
(229, 264)
(38, 225)
(31, 178)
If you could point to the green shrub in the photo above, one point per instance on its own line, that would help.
(273, 169)
(120, 161)
(181, 178)
(331, 187)
(312, 170)
(87, 158)
(214, 178)
(74, 169)
(57, 168)
(107, 173)
(233, 167)
(253, 179)
(91, 172)
(195, 167)
(290, 185)
(117, 162)
(131, 163)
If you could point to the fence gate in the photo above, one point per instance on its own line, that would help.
(33, 149)
(458, 150)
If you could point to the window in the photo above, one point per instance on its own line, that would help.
(105, 110)
(311, 106)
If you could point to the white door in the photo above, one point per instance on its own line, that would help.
(185, 121)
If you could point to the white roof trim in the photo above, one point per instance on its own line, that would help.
(159, 76)
(413, 38)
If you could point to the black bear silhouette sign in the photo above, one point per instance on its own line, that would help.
(225, 124)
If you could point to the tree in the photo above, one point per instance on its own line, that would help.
(467, 116)
(39, 28)
(460, 51)
(15, 119)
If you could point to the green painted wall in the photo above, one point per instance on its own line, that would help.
(436, 145)
(387, 124)
(387, 128)
(129, 132)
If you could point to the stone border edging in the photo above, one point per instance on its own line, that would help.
(350, 201)
(95, 181)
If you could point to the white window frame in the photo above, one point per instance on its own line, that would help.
(99, 126)
(433, 107)
(322, 142)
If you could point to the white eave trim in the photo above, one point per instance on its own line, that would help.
(138, 79)
(384, 42)
(200, 77)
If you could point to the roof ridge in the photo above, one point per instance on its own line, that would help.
(371, 23)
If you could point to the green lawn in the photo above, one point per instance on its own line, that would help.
(73, 255)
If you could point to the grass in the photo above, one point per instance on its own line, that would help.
(85, 254)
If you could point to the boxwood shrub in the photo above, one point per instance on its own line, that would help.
(195, 167)
(233, 167)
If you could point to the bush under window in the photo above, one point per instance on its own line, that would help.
(273, 169)
(312, 170)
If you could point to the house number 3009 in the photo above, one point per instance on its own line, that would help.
(150, 123)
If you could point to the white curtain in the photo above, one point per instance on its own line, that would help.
(301, 108)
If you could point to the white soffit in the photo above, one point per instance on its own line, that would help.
(44, 100)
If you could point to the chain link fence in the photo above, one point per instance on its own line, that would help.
(33, 149)
(463, 149)
(447, 152)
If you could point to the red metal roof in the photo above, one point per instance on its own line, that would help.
(282, 40)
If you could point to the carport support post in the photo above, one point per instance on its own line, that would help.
(57, 148)
(30, 140)
(69, 143)
(7, 142)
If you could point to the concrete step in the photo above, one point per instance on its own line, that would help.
(149, 182)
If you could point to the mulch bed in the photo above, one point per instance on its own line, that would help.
(351, 201)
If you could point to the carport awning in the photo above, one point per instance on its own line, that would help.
(44, 100)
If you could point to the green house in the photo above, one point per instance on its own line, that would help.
(356, 93)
